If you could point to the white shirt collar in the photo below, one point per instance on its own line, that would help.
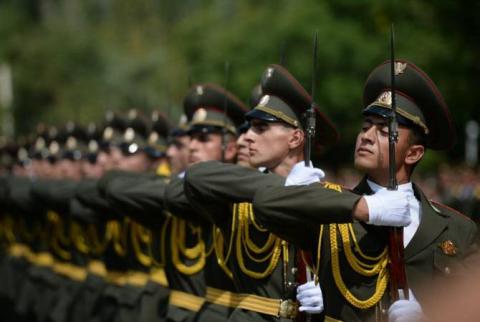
(181, 175)
(402, 187)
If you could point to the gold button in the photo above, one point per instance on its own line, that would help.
(447, 270)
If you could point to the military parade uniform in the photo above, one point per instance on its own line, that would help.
(350, 259)
(220, 241)
(262, 264)
(191, 263)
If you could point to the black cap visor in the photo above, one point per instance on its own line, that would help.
(382, 112)
(205, 129)
(261, 115)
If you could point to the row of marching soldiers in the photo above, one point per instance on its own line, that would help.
(219, 218)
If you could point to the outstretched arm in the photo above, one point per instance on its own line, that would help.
(213, 187)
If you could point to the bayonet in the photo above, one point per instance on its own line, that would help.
(398, 277)
(310, 113)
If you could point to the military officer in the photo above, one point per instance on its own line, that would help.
(351, 258)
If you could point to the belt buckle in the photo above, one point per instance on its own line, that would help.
(288, 309)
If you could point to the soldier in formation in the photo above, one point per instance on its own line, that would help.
(220, 218)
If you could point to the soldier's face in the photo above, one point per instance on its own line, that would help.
(208, 147)
(178, 152)
(243, 152)
(371, 150)
(205, 147)
(268, 143)
(69, 169)
(41, 168)
(92, 170)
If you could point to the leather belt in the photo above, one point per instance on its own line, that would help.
(273, 307)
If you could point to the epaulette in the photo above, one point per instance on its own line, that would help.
(333, 186)
(436, 204)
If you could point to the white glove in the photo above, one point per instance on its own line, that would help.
(301, 175)
(405, 310)
(389, 208)
(310, 297)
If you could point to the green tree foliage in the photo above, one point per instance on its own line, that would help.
(73, 59)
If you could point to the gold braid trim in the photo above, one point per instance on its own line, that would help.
(119, 235)
(9, 229)
(78, 237)
(379, 268)
(218, 243)
(185, 300)
(58, 237)
(244, 244)
(141, 234)
(177, 244)
(222, 258)
(97, 247)
(278, 114)
(316, 269)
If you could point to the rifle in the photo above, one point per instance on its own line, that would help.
(303, 275)
(398, 277)
(310, 113)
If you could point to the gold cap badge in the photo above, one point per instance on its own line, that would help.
(400, 67)
(264, 100)
(385, 98)
(153, 137)
(270, 71)
(200, 115)
(71, 143)
(448, 247)
(108, 133)
(129, 134)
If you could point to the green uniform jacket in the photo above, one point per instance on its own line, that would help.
(425, 261)
(140, 197)
(145, 201)
(214, 188)
(178, 204)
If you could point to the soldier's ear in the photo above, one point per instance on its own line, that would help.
(230, 151)
(296, 139)
(414, 154)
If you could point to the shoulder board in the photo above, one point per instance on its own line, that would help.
(436, 205)
(332, 186)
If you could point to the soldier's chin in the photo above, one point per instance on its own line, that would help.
(362, 165)
(256, 163)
